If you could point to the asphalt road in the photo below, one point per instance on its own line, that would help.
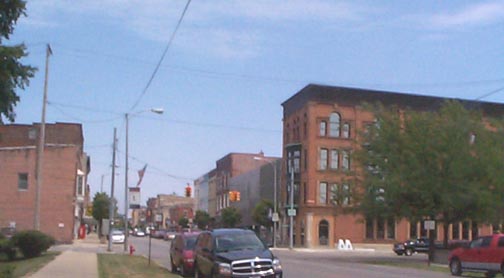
(316, 263)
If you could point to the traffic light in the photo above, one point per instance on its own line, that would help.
(237, 196)
(232, 196)
(188, 191)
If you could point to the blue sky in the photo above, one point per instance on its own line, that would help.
(230, 67)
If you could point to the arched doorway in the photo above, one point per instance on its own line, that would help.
(323, 233)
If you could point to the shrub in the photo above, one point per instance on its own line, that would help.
(32, 243)
(7, 247)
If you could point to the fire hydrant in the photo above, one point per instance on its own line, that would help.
(132, 249)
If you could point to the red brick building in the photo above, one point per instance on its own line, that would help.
(64, 190)
(321, 126)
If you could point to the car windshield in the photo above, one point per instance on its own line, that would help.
(117, 232)
(190, 242)
(237, 242)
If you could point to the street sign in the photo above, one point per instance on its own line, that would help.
(291, 212)
(275, 217)
(429, 225)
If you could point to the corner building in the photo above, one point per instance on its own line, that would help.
(321, 125)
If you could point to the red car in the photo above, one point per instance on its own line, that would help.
(484, 254)
(181, 253)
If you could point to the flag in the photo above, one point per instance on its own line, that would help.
(141, 174)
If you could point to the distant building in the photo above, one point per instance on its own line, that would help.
(161, 207)
(64, 194)
(321, 126)
(201, 189)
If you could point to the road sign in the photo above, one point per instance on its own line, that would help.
(275, 217)
(291, 212)
(429, 225)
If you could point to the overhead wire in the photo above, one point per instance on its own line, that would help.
(490, 93)
(162, 56)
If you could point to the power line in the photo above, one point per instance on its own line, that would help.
(159, 169)
(162, 56)
(490, 93)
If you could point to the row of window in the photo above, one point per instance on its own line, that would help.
(336, 128)
(330, 159)
(23, 183)
(335, 194)
(333, 127)
(380, 228)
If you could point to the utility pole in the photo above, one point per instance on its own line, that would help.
(291, 228)
(112, 203)
(40, 149)
(126, 232)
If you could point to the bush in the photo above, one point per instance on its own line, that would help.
(7, 247)
(32, 243)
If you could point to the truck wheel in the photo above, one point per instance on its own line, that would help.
(455, 267)
(408, 252)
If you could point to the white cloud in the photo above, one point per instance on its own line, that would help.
(479, 14)
(210, 22)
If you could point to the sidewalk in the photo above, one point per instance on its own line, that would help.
(77, 260)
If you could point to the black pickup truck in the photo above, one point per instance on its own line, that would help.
(234, 253)
(409, 247)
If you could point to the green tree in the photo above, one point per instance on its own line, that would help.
(202, 219)
(230, 217)
(183, 222)
(101, 203)
(261, 213)
(444, 165)
(13, 74)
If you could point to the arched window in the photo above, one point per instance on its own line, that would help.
(323, 232)
(334, 125)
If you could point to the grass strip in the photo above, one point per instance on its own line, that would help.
(21, 267)
(119, 266)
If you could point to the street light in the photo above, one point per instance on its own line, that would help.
(275, 213)
(126, 116)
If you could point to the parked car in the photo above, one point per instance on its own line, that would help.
(484, 254)
(158, 233)
(117, 236)
(139, 233)
(409, 247)
(234, 253)
(181, 253)
(169, 235)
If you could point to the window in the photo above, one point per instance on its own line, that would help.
(380, 228)
(345, 190)
(390, 228)
(345, 160)
(297, 161)
(305, 159)
(334, 125)
(323, 159)
(80, 185)
(323, 128)
(323, 193)
(369, 228)
(334, 159)
(334, 194)
(456, 231)
(346, 130)
(413, 230)
(23, 181)
(305, 192)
